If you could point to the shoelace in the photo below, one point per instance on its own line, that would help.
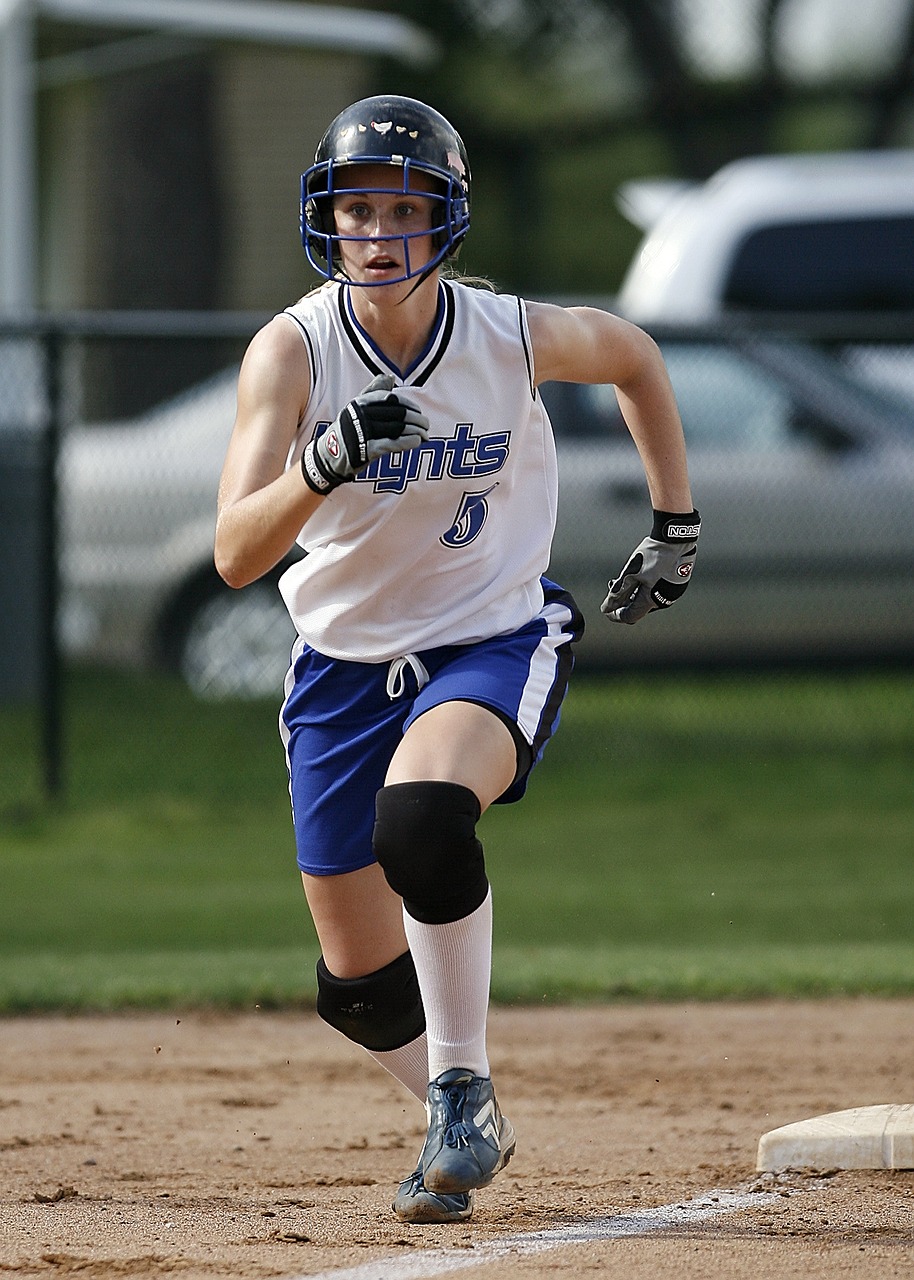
(456, 1131)
(396, 677)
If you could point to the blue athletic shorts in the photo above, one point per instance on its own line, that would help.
(341, 722)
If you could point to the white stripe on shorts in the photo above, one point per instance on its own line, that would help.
(539, 684)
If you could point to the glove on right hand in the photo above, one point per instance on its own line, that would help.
(375, 422)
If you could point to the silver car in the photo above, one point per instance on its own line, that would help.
(804, 477)
(138, 505)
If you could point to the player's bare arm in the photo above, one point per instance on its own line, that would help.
(583, 344)
(261, 506)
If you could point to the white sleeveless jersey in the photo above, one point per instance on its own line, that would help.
(446, 543)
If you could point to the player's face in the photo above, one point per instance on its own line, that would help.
(386, 234)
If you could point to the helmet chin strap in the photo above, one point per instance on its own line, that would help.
(354, 284)
(419, 280)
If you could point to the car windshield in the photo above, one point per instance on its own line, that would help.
(888, 368)
(725, 403)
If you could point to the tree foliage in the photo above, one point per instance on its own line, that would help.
(561, 100)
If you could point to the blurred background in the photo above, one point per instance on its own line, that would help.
(159, 144)
(735, 175)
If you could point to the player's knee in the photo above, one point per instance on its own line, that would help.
(425, 841)
(381, 1011)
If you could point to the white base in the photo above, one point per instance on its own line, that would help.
(862, 1138)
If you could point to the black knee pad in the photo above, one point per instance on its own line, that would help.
(381, 1011)
(425, 841)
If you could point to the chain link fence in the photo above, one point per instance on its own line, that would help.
(113, 430)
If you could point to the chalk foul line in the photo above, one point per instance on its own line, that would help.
(438, 1262)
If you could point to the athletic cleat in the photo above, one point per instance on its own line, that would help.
(415, 1203)
(469, 1140)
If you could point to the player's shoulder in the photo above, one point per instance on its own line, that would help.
(321, 298)
(479, 297)
(275, 355)
(478, 291)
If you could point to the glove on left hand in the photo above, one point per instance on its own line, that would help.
(658, 570)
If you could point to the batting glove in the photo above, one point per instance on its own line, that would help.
(658, 570)
(375, 422)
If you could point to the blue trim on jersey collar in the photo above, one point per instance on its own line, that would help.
(346, 293)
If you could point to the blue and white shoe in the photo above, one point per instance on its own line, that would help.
(415, 1203)
(469, 1140)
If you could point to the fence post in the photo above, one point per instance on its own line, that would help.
(51, 684)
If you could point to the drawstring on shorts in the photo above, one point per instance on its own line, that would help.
(396, 678)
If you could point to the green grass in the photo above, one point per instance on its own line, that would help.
(693, 837)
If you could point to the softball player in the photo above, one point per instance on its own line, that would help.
(389, 423)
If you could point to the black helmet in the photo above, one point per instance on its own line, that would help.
(400, 132)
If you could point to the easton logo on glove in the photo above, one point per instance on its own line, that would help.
(678, 531)
(668, 527)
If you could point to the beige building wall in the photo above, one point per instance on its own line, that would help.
(272, 107)
(66, 208)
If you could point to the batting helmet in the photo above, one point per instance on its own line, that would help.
(406, 135)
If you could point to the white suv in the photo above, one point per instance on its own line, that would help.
(825, 232)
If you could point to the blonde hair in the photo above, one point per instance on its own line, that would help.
(449, 271)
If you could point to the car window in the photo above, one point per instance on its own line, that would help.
(826, 264)
(725, 403)
(888, 368)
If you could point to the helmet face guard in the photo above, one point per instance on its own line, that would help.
(405, 136)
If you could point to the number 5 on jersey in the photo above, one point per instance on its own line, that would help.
(471, 516)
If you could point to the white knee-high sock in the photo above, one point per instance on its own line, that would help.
(454, 967)
(408, 1064)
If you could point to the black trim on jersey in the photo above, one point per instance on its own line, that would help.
(355, 337)
(528, 354)
(376, 361)
(445, 331)
(434, 338)
(307, 337)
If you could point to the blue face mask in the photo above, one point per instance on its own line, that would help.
(329, 178)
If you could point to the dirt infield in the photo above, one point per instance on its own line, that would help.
(262, 1145)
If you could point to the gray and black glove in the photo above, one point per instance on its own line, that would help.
(375, 422)
(658, 570)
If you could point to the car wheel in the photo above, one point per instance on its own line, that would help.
(236, 644)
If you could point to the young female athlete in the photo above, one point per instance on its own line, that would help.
(389, 423)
